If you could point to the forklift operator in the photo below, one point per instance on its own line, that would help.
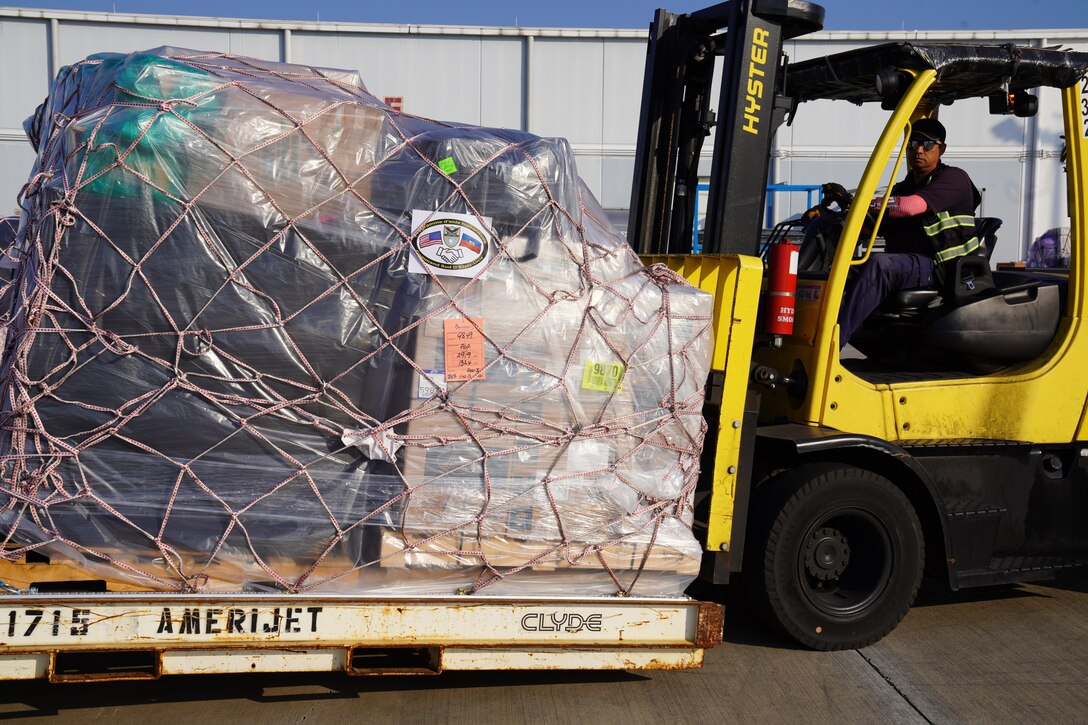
(930, 221)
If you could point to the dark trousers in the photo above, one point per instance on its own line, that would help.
(877, 278)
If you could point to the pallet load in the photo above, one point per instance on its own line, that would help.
(269, 334)
(9, 229)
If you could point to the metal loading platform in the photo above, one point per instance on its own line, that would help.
(81, 638)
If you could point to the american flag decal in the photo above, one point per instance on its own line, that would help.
(430, 238)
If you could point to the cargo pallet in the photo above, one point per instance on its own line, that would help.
(143, 636)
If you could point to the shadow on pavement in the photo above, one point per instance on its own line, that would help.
(934, 593)
(743, 625)
(38, 698)
(940, 595)
(1073, 582)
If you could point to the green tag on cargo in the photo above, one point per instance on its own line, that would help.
(447, 165)
(604, 376)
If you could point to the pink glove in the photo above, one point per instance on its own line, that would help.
(901, 206)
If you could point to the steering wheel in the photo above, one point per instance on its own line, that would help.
(834, 193)
(823, 226)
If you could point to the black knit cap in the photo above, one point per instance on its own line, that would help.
(928, 128)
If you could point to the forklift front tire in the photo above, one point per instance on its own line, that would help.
(841, 550)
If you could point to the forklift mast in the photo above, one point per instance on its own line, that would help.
(676, 117)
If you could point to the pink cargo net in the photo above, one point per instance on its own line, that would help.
(9, 262)
(270, 334)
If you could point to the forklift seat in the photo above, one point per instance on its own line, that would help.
(986, 230)
(983, 322)
(904, 301)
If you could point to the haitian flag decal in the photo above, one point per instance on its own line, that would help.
(449, 244)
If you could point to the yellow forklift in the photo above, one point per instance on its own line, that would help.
(956, 443)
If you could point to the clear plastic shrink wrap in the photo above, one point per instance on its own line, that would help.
(270, 334)
(9, 228)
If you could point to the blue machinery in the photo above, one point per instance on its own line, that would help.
(772, 189)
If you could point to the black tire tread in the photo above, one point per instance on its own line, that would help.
(785, 493)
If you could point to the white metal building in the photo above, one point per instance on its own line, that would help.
(582, 84)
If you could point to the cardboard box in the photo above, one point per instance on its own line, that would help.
(514, 524)
(459, 551)
(527, 411)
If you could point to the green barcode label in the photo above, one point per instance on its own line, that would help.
(606, 377)
(448, 165)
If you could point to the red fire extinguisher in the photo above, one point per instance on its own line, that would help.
(781, 288)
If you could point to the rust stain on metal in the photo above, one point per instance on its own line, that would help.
(55, 677)
(656, 664)
(100, 677)
(708, 630)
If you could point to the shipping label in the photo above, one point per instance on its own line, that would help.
(464, 347)
(606, 377)
(430, 384)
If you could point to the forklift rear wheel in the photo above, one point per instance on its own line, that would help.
(841, 556)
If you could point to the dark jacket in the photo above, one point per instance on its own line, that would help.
(947, 228)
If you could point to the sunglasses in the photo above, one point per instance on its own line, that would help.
(913, 144)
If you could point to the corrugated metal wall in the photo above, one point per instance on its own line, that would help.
(584, 85)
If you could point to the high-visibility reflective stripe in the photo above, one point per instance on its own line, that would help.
(951, 253)
(946, 221)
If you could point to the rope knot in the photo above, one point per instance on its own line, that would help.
(662, 276)
(62, 209)
(114, 343)
(168, 105)
(202, 343)
(569, 435)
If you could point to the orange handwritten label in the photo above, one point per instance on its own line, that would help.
(464, 349)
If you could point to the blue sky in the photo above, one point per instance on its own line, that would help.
(841, 14)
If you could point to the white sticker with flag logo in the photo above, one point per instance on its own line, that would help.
(454, 245)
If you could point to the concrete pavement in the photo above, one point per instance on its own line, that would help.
(1008, 655)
